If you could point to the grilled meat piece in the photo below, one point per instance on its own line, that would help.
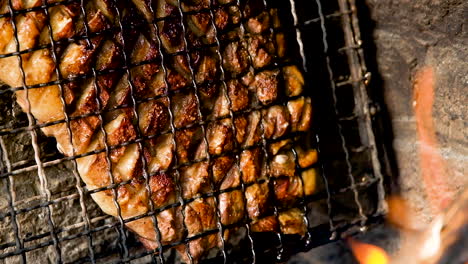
(128, 105)
(266, 224)
(292, 222)
(257, 196)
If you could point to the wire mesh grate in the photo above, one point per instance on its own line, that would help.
(46, 212)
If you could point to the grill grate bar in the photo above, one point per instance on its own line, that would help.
(339, 126)
(358, 79)
(233, 127)
(113, 186)
(120, 230)
(203, 127)
(69, 133)
(315, 197)
(139, 134)
(40, 170)
(163, 66)
(13, 12)
(300, 43)
(356, 55)
(11, 199)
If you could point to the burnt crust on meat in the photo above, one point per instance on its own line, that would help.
(257, 197)
(238, 94)
(266, 86)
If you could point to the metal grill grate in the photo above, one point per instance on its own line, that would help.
(46, 212)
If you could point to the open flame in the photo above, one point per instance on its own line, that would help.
(433, 168)
(421, 243)
(367, 253)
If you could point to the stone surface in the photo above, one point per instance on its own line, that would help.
(407, 36)
(401, 36)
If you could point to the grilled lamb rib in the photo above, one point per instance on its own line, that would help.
(95, 82)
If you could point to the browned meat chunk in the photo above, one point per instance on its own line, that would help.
(235, 58)
(185, 109)
(260, 50)
(238, 94)
(195, 179)
(266, 86)
(259, 24)
(221, 167)
(275, 121)
(301, 112)
(231, 207)
(288, 190)
(187, 141)
(220, 136)
(266, 224)
(257, 196)
(309, 179)
(294, 81)
(251, 164)
(292, 222)
(306, 157)
(248, 129)
(153, 117)
(283, 164)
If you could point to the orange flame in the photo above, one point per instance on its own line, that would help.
(367, 253)
(433, 168)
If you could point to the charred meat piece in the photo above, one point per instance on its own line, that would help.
(288, 190)
(159, 153)
(283, 164)
(235, 58)
(257, 196)
(251, 164)
(266, 86)
(220, 136)
(168, 109)
(261, 51)
(301, 113)
(293, 80)
(292, 222)
(188, 141)
(309, 180)
(238, 94)
(200, 216)
(195, 179)
(266, 224)
(153, 118)
(185, 108)
(275, 121)
(231, 207)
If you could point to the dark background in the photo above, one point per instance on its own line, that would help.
(399, 37)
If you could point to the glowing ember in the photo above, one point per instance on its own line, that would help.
(367, 253)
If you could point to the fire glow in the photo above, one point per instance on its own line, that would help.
(433, 169)
(421, 243)
(367, 253)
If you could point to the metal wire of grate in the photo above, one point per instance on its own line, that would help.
(324, 38)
